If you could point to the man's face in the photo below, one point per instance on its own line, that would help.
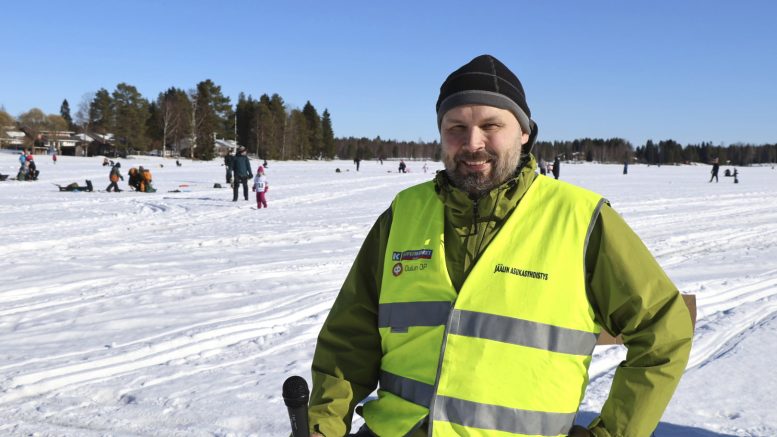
(481, 146)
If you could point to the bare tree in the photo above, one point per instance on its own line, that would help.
(82, 114)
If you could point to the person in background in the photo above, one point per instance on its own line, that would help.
(33, 171)
(114, 176)
(24, 171)
(402, 166)
(241, 167)
(146, 185)
(543, 167)
(556, 167)
(134, 178)
(715, 169)
(260, 187)
(476, 299)
(228, 163)
(54, 157)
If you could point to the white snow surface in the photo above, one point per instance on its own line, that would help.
(182, 313)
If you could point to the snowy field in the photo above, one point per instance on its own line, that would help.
(182, 313)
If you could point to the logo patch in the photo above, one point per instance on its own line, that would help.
(411, 255)
(397, 269)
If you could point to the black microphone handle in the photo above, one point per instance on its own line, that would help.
(298, 416)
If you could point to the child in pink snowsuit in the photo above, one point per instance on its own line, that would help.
(260, 186)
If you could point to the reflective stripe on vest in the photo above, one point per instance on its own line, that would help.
(516, 340)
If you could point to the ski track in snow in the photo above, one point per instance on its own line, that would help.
(182, 313)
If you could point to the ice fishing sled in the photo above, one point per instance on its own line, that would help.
(75, 187)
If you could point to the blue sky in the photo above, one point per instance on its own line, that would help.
(689, 70)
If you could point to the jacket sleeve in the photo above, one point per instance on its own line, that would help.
(633, 296)
(346, 362)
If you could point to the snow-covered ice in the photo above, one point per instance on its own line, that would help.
(182, 313)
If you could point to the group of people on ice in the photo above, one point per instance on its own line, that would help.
(239, 166)
(728, 173)
(28, 171)
(140, 179)
(554, 168)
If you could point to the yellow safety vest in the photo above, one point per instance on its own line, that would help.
(508, 354)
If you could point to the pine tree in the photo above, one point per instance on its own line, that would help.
(298, 135)
(130, 111)
(101, 112)
(211, 112)
(277, 142)
(64, 111)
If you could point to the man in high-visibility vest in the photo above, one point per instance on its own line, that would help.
(475, 301)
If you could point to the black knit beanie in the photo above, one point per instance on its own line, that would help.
(486, 81)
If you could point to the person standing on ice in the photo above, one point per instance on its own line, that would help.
(228, 164)
(260, 187)
(715, 169)
(114, 176)
(241, 167)
(475, 301)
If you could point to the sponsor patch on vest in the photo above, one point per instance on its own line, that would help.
(501, 268)
(410, 255)
(399, 268)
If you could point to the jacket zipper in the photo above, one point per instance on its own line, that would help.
(478, 238)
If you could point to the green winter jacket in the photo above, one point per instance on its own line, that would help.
(630, 292)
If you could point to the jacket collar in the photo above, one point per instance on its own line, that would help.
(494, 205)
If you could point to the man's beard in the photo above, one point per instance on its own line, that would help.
(477, 184)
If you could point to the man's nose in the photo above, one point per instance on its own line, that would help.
(475, 139)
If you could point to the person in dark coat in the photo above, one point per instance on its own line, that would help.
(715, 168)
(626, 167)
(241, 167)
(556, 167)
(228, 158)
(402, 166)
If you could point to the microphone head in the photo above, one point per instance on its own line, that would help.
(295, 391)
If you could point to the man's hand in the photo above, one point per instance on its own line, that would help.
(579, 431)
(315, 434)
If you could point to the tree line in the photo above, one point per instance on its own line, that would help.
(671, 152)
(191, 121)
(655, 153)
(269, 128)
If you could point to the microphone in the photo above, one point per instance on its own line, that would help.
(295, 396)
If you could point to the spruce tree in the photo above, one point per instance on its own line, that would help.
(327, 136)
(314, 149)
